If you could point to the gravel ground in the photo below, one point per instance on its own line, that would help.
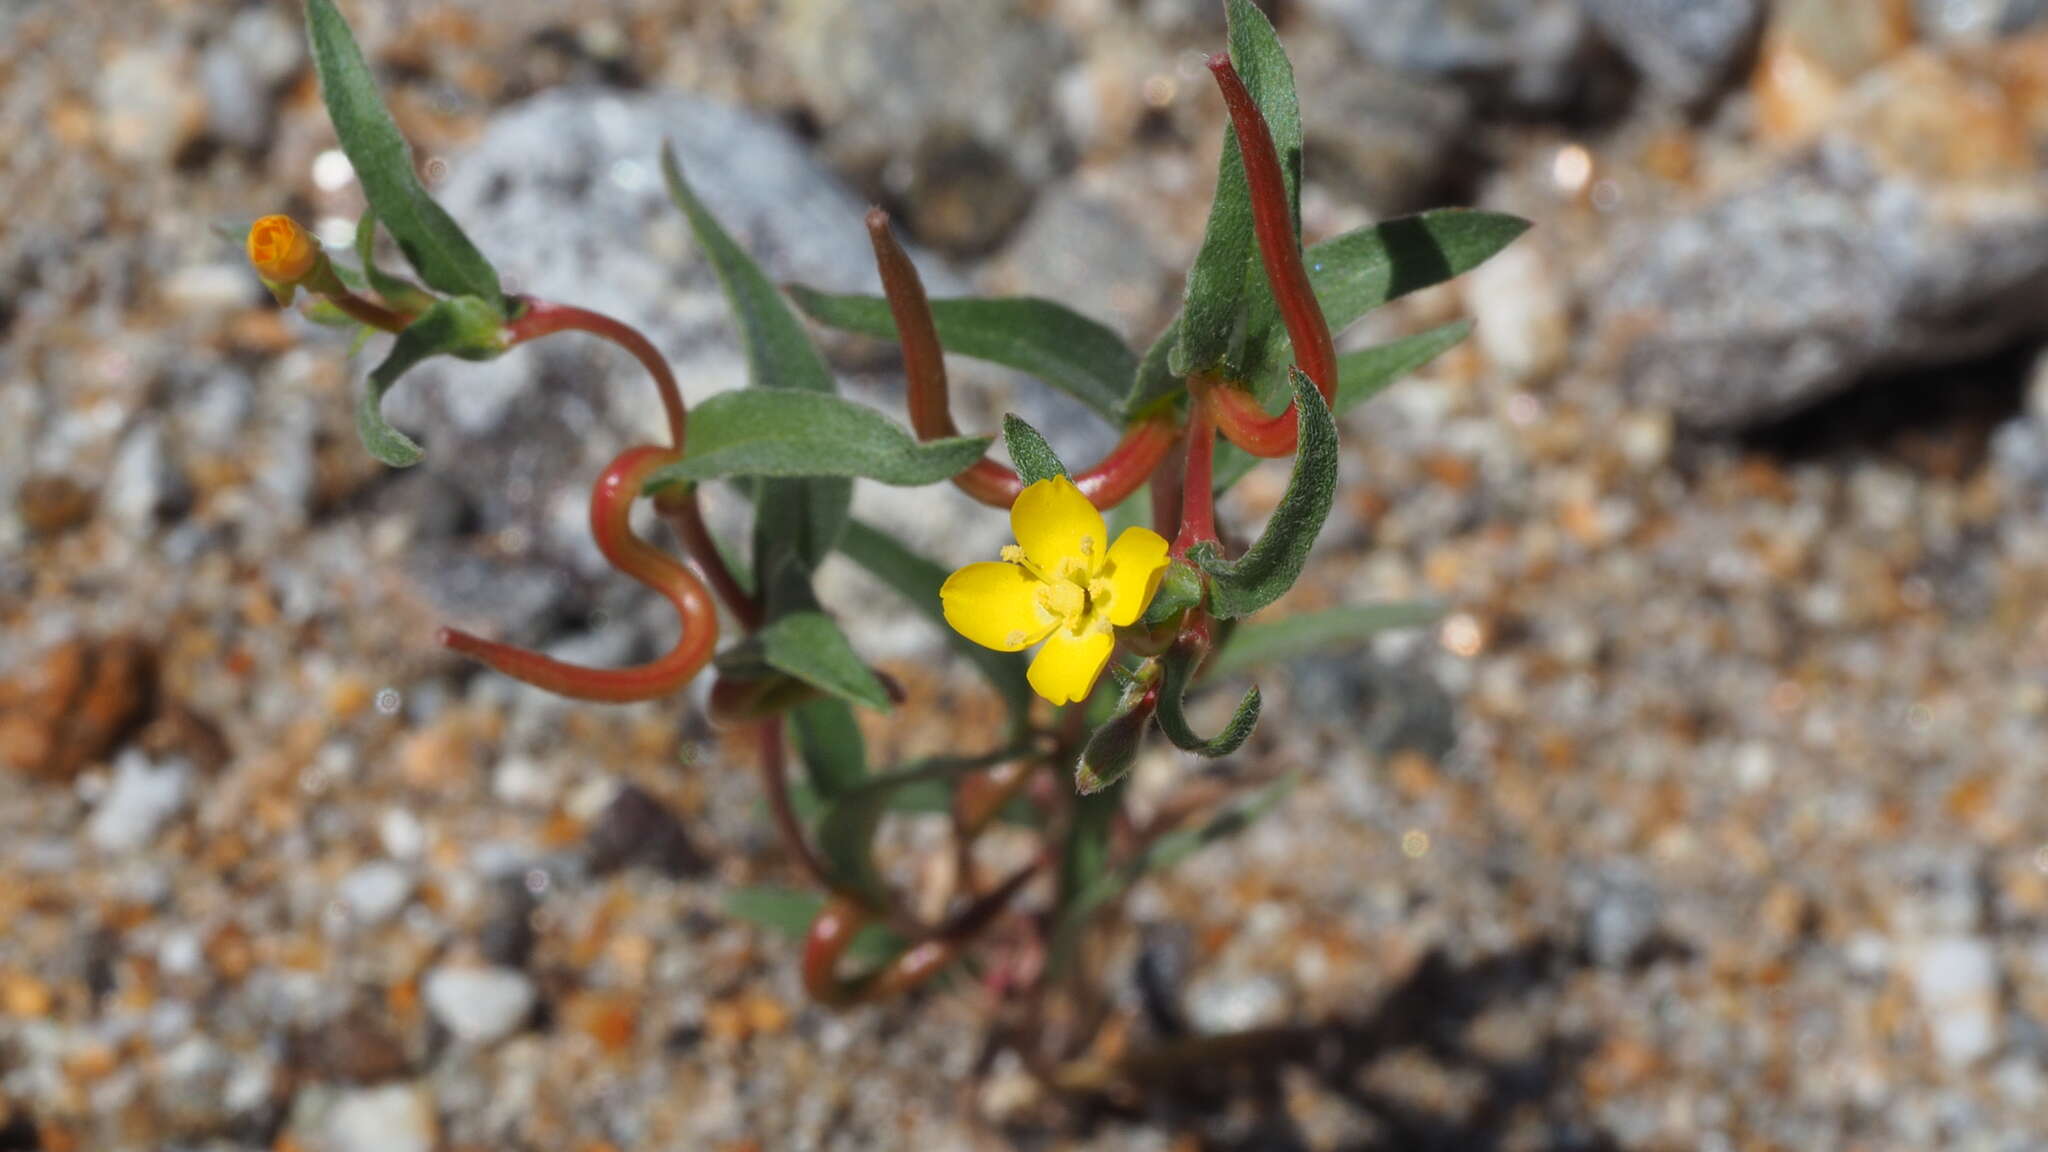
(1710, 816)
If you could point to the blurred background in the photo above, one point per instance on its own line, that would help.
(1710, 816)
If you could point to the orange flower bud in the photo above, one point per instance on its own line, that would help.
(281, 250)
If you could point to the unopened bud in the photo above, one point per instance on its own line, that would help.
(282, 252)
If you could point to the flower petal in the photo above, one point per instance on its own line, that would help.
(996, 606)
(1055, 524)
(1137, 562)
(1065, 670)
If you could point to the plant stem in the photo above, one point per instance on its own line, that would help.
(1198, 489)
(775, 783)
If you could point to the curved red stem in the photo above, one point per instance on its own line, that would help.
(841, 919)
(1237, 414)
(611, 502)
(927, 395)
(1198, 489)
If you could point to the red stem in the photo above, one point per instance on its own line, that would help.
(366, 312)
(927, 395)
(775, 782)
(611, 502)
(841, 919)
(1239, 416)
(539, 318)
(1198, 489)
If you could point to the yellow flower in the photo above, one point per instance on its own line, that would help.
(281, 250)
(1063, 583)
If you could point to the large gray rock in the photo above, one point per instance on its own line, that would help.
(1382, 139)
(1913, 234)
(1530, 53)
(1684, 49)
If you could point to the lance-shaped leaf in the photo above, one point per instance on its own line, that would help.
(1156, 380)
(1270, 567)
(918, 581)
(1045, 339)
(432, 242)
(796, 522)
(1274, 641)
(1228, 305)
(1181, 662)
(790, 912)
(1179, 590)
(1033, 458)
(1361, 375)
(1107, 884)
(829, 743)
(1357, 272)
(810, 647)
(785, 433)
(1113, 747)
(462, 326)
(397, 291)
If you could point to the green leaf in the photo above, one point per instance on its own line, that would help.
(796, 522)
(1182, 661)
(918, 581)
(1047, 340)
(1274, 641)
(810, 647)
(790, 912)
(1357, 272)
(1361, 375)
(1228, 303)
(1033, 458)
(1084, 867)
(462, 326)
(432, 241)
(834, 755)
(1273, 563)
(1163, 853)
(784, 433)
(399, 292)
(1179, 590)
(1113, 747)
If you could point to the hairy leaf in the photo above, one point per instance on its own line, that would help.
(1228, 304)
(1045, 339)
(810, 647)
(431, 240)
(462, 326)
(1181, 663)
(785, 433)
(1033, 458)
(829, 743)
(1270, 567)
(399, 292)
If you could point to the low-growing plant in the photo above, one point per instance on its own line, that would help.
(1250, 359)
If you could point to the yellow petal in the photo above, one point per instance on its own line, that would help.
(1065, 669)
(996, 606)
(1055, 524)
(1137, 562)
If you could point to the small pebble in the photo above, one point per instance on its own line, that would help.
(479, 1005)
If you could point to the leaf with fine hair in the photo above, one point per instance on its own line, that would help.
(1361, 375)
(830, 746)
(1228, 307)
(918, 581)
(1048, 340)
(810, 647)
(462, 326)
(432, 242)
(1033, 458)
(796, 521)
(1181, 663)
(1260, 642)
(1271, 565)
(396, 291)
(1156, 380)
(785, 433)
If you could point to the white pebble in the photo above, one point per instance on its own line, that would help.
(479, 1005)
(1956, 980)
(394, 1118)
(141, 798)
(376, 891)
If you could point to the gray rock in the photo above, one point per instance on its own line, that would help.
(374, 892)
(479, 1006)
(1686, 50)
(1977, 20)
(141, 798)
(1827, 270)
(142, 484)
(1520, 52)
(946, 105)
(148, 109)
(237, 107)
(1383, 139)
(393, 1118)
(1620, 910)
